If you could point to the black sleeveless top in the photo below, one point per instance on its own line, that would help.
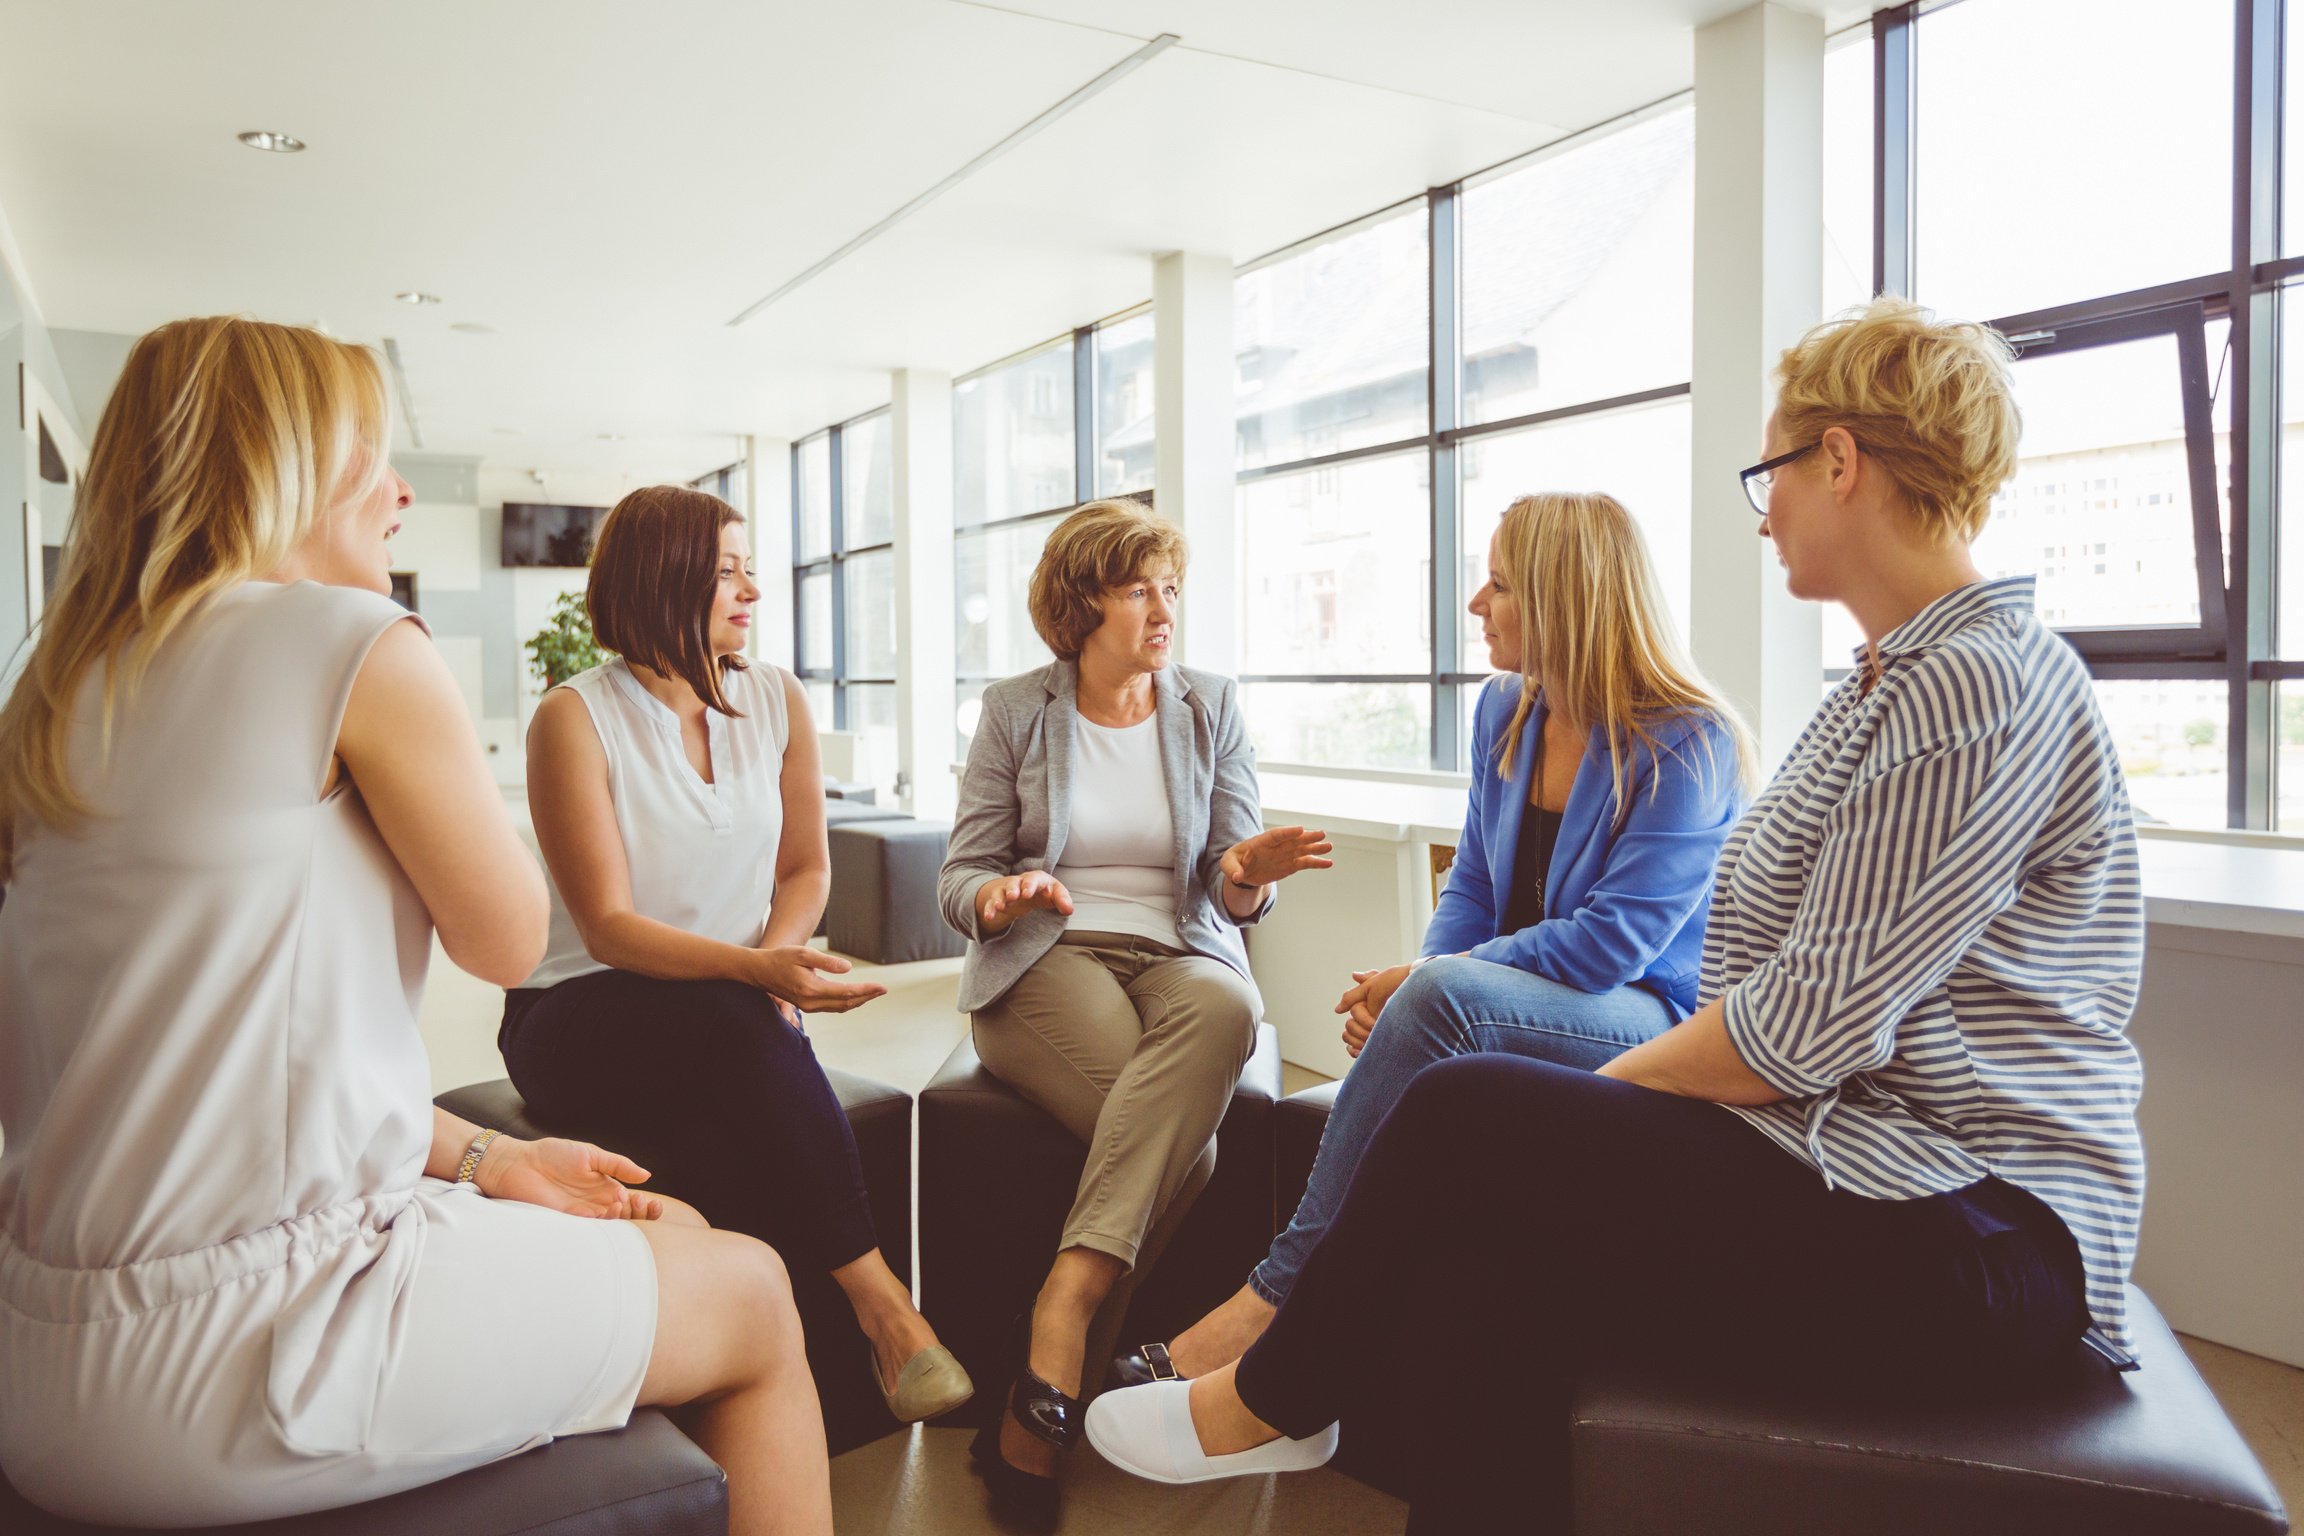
(1531, 861)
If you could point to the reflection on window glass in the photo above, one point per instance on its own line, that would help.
(2170, 737)
(2130, 102)
(1638, 456)
(1333, 564)
(816, 497)
(2288, 769)
(1330, 343)
(991, 573)
(816, 621)
(871, 601)
(1124, 406)
(2101, 506)
(867, 483)
(1577, 275)
(1340, 725)
(1848, 186)
(1012, 439)
(872, 717)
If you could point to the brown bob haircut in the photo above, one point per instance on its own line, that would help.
(654, 569)
(1103, 545)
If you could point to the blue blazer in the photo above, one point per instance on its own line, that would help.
(1624, 905)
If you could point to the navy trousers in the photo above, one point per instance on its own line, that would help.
(707, 1085)
(1513, 1220)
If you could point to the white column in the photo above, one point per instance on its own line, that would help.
(1759, 278)
(921, 426)
(767, 513)
(1192, 417)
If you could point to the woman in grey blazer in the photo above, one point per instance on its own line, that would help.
(1106, 854)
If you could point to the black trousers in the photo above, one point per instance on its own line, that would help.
(1513, 1220)
(706, 1085)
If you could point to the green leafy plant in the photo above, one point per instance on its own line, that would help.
(564, 647)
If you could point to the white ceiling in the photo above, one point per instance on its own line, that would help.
(605, 184)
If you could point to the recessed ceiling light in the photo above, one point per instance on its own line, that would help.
(472, 328)
(413, 297)
(607, 437)
(277, 143)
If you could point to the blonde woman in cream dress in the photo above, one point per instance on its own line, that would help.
(240, 1276)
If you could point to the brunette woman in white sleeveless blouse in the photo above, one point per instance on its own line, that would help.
(680, 803)
(247, 1270)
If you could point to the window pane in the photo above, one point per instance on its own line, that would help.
(1577, 276)
(1333, 565)
(1331, 344)
(816, 497)
(1124, 406)
(739, 486)
(871, 599)
(1848, 189)
(872, 717)
(2069, 148)
(820, 704)
(2288, 770)
(816, 622)
(971, 710)
(1639, 456)
(2290, 576)
(1012, 439)
(2101, 506)
(1340, 725)
(2170, 737)
(868, 482)
(991, 571)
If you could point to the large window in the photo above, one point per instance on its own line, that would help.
(2090, 216)
(1549, 300)
(844, 587)
(1033, 438)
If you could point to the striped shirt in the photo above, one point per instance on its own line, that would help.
(1928, 932)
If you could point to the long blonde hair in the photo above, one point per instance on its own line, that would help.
(225, 442)
(1595, 638)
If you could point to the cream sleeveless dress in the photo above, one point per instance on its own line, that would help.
(227, 1290)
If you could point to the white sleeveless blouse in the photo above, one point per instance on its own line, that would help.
(228, 1290)
(702, 856)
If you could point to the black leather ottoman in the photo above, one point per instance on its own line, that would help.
(883, 902)
(1655, 1450)
(881, 1118)
(646, 1479)
(997, 1176)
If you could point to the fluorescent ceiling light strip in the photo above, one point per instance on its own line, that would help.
(407, 395)
(1102, 82)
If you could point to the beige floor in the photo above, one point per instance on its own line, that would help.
(921, 1483)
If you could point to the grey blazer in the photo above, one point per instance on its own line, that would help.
(1016, 807)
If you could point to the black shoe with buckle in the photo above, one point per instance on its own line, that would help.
(1144, 1365)
(1052, 1417)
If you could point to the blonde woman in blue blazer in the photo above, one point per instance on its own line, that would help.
(1606, 775)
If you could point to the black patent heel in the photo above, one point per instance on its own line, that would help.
(1019, 1497)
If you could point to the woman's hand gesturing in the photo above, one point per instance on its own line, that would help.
(801, 976)
(573, 1177)
(1364, 1000)
(999, 902)
(1270, 856)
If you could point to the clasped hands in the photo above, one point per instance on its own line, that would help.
(1364, 1000)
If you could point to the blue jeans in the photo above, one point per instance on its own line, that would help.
(1452, 1006)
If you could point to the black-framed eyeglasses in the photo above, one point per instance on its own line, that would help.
(1762, 475)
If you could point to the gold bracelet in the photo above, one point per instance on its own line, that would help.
(473, 1154)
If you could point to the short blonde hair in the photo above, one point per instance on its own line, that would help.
(1103, 545)
(1931, 399)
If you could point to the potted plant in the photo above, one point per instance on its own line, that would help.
(565, 646)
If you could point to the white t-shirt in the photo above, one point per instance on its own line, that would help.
(1119, 859)
(702, 857)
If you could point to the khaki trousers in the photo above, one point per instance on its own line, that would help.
(1135, 1048)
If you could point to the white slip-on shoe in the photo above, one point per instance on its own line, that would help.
(1148, 1430)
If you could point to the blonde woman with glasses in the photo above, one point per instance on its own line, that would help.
(1605, 774)
(247, 1270)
